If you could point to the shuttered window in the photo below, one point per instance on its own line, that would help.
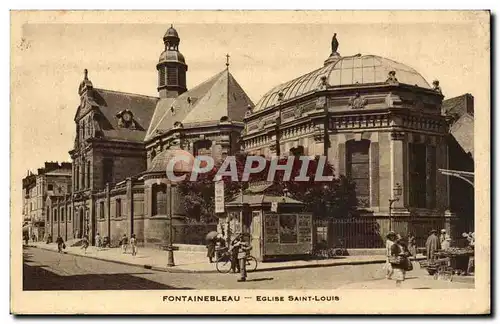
(172, 76)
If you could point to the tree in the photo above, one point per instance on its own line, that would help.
(326, 199)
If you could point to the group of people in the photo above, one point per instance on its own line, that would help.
(125, 243)
(238, 250)
(398, 252)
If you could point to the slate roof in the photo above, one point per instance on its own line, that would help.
(459, 105)
(208, 102)
(463, 132)
(461, 110)
(111, 102)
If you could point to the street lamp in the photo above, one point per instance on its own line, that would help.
(170, 247)
(397, 191)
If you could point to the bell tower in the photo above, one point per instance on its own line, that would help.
(171, 67)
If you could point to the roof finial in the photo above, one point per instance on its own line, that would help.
(171, 25)
(85, 74)
(227, 61)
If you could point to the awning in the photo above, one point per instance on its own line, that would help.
(464, 175)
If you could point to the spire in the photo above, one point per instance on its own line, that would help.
(227, 61)
(171, 66)
(85, 84)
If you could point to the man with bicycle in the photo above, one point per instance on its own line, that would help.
(243, 248)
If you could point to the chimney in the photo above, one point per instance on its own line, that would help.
(469, 104)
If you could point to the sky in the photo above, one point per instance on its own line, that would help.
(49, 54)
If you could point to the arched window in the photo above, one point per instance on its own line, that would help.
(358, 168)
(159, 199)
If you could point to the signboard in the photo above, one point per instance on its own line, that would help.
(219, 196)
(288, 228)
(271, 228)
(305, 228)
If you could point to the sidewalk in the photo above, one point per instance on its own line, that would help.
(197, 262)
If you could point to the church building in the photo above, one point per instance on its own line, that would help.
(120, 152)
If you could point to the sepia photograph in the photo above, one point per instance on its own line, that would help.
(295, 161)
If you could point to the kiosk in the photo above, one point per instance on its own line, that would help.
(278, 226)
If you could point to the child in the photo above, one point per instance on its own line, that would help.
(133, 244)
(85, 243)
(124, 243)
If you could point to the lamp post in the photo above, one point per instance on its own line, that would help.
(278, 124)
(397, 190)
(170, 247)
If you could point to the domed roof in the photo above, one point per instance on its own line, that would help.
(162, 160)
(171, 32)
(344, 71)
(170, 55)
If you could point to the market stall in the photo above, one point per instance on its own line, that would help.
(452, 261)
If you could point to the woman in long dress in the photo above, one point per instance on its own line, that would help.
(390, 238)
(399, 251)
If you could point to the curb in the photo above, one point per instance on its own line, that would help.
(177, 270)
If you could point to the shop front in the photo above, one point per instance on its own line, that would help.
(278, 226)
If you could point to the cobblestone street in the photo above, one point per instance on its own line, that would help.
(47, 270)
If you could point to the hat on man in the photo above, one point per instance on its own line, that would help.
(390, 234)
(443, 231)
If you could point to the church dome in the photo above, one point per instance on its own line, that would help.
(171, 56)
(160, 163)
(342, 72)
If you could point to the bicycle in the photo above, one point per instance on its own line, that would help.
(223, 263)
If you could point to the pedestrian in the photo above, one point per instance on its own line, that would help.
(390, 238)
(233, 252)
(211, 248)
(33, 237)
(26, 239)
(243, 249)
(399, 260)
(133, 244)
(432, 245)
(412, 245)
(85, 243)
(446, 244)
(442, 237)
(124, 243)
(60, 244)
(98, 241)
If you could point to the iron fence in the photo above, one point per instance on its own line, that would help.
(193, 233)
(370, 232)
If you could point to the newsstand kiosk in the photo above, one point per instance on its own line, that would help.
(278, 226)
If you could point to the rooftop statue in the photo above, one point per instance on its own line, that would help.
(335, 43)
